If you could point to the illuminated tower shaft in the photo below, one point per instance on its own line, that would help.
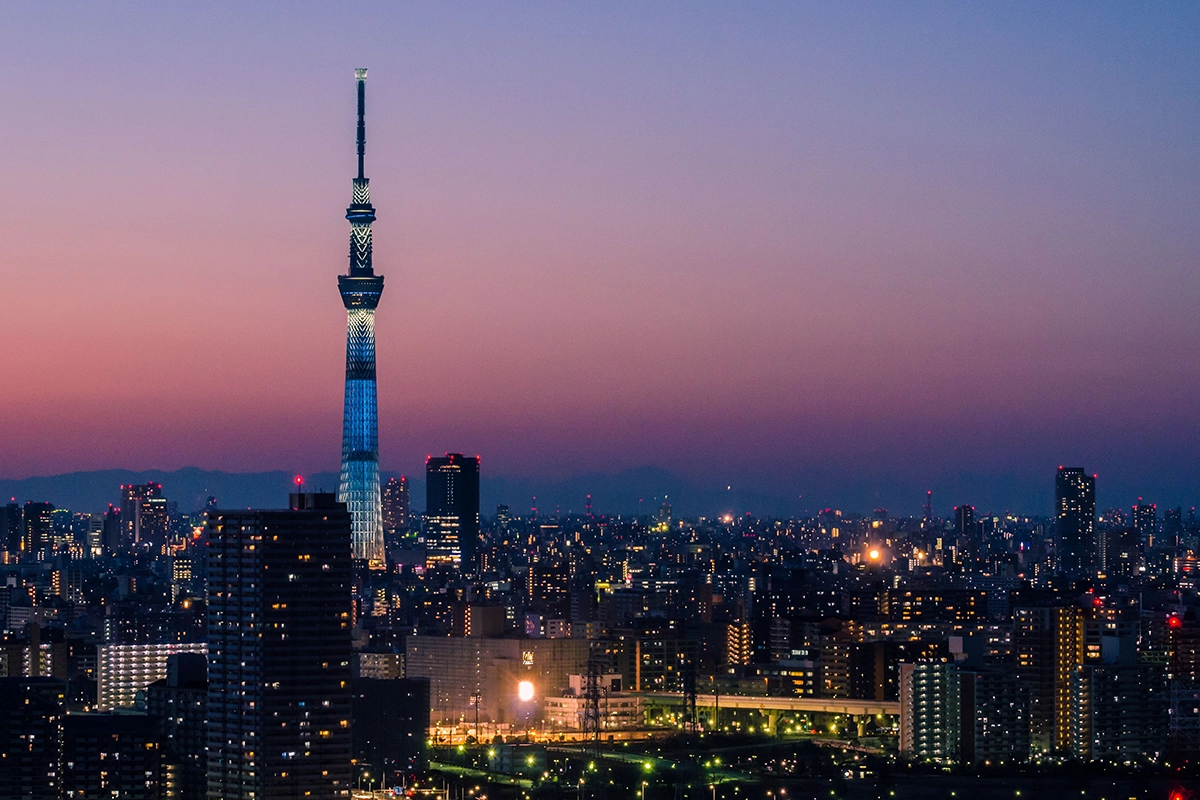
(360, 289)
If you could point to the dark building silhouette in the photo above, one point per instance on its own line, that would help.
(38, 527)
(10, 527)
(1123, 553)
(1172, 526)
(395, 505)
(113, 755)
(279, 651)
(111, 535)
(391, 719)
(31, 715)
(179, 705)
(967, 529)
(452, 509)
(1145, 521)
(1075, 520)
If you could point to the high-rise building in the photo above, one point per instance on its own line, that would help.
(664, 517)
(1075, 520)
(395, 505)
(361, 289)
(967, 529)
(1172, 526)
(113, 755)
(930, 716)
(1119, 705)
(179, 705)
(1049, 645)
(452, 509)
(31, 716)
(279, 651)
(38, 528)
(10, 528)
(144, 515)
(123, 670)
(94, 535)
(112, 534)
(1145, 521)
(953, 715)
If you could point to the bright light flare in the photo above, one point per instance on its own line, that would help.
(525, 691)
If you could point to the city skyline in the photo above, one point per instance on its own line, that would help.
(782, 248)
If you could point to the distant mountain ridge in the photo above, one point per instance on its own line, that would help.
(638, 490)
(189, 487)
(634, 491)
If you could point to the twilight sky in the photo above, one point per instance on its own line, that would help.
(787, 246)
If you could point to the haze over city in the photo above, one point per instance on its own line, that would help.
(836, 254)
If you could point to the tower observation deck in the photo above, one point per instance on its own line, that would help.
(361, 288)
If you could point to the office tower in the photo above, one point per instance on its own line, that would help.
(361, 288)
(1075, 520)
(664, 517)
(395, 505)
(60, 529)
(967, 529)
(1145, 521)
(38, 528)
(123, 670)
(11, 526)
(964, 520)
(144, 514)
(279, 651)
(1172, 526)
(94, 536)
(503, 520)
(451, 510)
(391, 721)
(112, 535)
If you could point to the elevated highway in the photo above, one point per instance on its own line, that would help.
(860, 711)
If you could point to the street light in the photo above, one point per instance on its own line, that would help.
(525, 694)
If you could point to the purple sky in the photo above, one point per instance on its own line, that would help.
(746, 244)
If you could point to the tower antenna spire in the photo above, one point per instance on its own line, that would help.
(358, 486)
(360, 75)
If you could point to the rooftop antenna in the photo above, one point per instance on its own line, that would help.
(360, 75)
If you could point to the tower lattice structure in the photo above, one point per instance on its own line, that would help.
(360, 289)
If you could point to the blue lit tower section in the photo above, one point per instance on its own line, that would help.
(360, 289)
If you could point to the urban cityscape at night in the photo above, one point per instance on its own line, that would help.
(778, 401)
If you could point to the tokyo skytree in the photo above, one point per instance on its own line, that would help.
(361, 289)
